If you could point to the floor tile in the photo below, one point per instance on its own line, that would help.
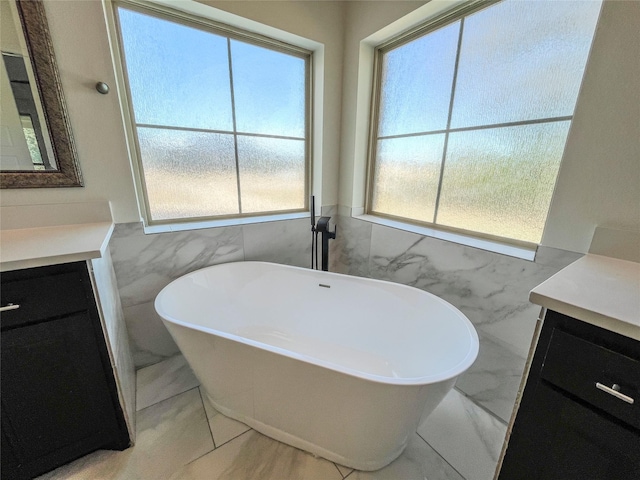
(222, 428)
(494, 378)
(465, 435)
(343, 470)
(163, 380)
(418, 462)
(254, 456)
(170, 434)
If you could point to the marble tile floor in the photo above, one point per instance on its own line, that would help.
(181, 436)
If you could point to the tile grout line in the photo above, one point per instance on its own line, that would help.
(482, 407)
(239, 435)
(165, 399)
(206, 416)
(444, 459)
(334, 464)
(219, 447)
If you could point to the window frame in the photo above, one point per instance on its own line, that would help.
(166, 11)
(424, 28)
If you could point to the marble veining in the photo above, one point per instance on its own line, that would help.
(144, 264)
(151, 342)
(287, 241)
(467, 436)
(493, 380)
(491, 289)
(349, 252)
(164, 380)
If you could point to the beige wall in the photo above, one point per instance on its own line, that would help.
(599, 182)
(599, 179)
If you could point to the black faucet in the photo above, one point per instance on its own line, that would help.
(321, 227)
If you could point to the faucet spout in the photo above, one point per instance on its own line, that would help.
(323, 227)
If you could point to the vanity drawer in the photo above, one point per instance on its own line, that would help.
(576, 365)
(41, 297)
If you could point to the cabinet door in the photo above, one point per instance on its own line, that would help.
(56, 405)
(562, 439)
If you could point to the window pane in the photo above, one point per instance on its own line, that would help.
(416, 83)
(522, 60)
(406, 176)
(178, 75)
(272, 174)
(188, 174)
(269, 91)
(499, 181)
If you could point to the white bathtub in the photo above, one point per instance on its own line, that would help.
(340, 366)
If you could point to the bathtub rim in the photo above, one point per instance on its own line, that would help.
(452, 372)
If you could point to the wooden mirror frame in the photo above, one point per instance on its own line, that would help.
(36, 31)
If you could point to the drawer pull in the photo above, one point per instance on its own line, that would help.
(9, 306)
(615, 391)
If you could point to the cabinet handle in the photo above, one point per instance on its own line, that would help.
(615, 391)
(9, 306)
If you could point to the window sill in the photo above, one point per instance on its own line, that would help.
(228, 222)
(483, 244)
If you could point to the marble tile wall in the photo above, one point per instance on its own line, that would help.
(491, 289)
(111, 314)
(144, 264)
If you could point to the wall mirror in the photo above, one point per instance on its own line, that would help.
(37, 148)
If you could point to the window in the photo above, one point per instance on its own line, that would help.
(471, 117)
(220, 118)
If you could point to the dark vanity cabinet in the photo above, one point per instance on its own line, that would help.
(579, 416)
(59, 397)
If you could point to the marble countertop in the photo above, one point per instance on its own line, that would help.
(596, 289)
(39, 246)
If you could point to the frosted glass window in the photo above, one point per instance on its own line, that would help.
(188, 174)
(271, 174)
(522, 61)
(416, 83)
(220, 123)
(472, 116)
(407, 175)
(269, 89)
(178, 75)
(499, 181)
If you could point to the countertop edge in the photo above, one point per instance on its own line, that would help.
(100, 234)
(599, 320)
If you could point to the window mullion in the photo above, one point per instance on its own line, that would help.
(235, 129)
(448, 129)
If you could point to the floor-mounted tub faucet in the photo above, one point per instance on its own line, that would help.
(321, 227)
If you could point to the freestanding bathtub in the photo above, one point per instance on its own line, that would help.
(340, 366)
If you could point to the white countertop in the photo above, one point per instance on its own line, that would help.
(599, 290)
(35, 247)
